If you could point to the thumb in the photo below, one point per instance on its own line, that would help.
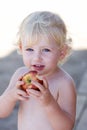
(45, 83)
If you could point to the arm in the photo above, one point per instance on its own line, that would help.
(12, 94)
(7, 104)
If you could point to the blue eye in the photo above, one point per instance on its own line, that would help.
(46, 50)
(29, 49)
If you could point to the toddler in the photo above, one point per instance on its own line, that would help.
(43, 44)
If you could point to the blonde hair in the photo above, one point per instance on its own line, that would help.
(43, 23)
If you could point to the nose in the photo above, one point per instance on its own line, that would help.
(37, 57)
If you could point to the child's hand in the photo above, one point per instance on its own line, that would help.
(17, 93)
(21, 95)
(44, 95)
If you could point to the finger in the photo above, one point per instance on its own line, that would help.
(22, 98)
(38, 85)
(20, 78)
(33, 92)
(22, 93)
(39, 77)
(45, 83)
(19, 83)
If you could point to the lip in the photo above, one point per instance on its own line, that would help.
(38, 67)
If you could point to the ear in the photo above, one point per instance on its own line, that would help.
(63, 52)
(62, 55)
(19, 48)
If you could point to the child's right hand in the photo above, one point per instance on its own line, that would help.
(17, 93)
(21, 94)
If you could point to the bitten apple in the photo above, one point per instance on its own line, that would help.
(27, 78)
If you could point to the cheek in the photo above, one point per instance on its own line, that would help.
(26, 59)
(53, 60)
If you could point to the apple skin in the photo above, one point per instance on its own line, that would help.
(27, 78)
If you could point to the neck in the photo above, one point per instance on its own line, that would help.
(53, 73)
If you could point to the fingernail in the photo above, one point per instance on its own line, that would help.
(39, 77)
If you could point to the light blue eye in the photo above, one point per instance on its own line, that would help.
(29, 49)
(46, 50)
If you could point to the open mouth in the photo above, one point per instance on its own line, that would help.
(38, 67)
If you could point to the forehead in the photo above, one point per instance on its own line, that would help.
(41, 40)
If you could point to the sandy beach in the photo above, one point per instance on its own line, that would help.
(76, 66)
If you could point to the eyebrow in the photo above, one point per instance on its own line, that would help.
(27, 46)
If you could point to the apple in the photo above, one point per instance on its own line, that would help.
(27, 78)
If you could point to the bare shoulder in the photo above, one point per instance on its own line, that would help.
(67, 81)
(18, 74)
(67, 94)
(20, 71)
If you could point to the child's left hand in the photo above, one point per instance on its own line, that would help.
(44, 95)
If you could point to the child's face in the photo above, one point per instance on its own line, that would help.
(42, 56)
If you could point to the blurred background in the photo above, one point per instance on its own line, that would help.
(73, 12)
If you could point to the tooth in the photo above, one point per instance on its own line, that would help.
(38, 65)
